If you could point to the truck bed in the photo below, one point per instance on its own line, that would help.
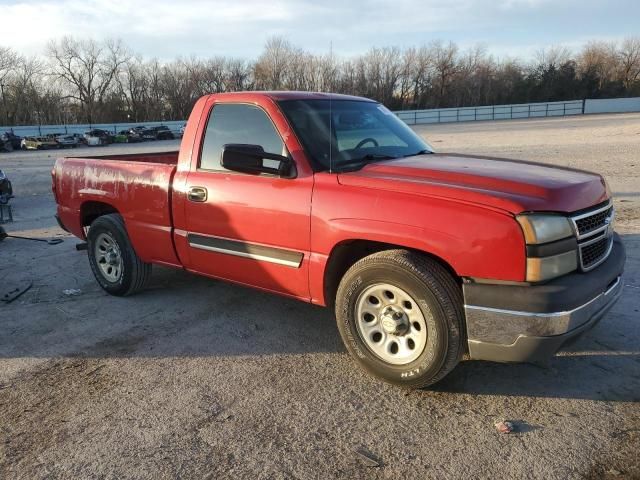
(137, 186)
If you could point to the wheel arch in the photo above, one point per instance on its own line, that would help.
(347, 252)
(91, 209)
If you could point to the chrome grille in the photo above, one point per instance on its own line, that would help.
(593, 222)
(594, 235)
(591, 253)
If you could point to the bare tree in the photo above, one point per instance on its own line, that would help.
(238, 76)
(28, 89)
(422, 77)
(87, 68)
(8, 63)
(133, 86)
(179, 80)
(445, 66)
(599, 59)
(272, 66)
(554, 56)
(629, 59)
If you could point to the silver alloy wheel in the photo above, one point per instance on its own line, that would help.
(391, 324)
(108, 257)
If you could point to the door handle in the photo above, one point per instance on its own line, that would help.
(197, 194)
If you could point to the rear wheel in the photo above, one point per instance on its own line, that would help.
(114, 262)
(400, 315)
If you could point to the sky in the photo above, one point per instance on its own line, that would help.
(239, 28)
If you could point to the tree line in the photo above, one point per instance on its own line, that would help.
(87, 81)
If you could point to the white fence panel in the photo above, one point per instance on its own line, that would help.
(491, 112)
(612, 105)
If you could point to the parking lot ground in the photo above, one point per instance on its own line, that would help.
(195, 378)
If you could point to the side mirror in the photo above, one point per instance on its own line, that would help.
(251, 159)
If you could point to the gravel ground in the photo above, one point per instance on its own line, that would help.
(195, 378)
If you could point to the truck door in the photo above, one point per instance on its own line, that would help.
(247, 228)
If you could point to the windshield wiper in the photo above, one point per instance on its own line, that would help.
(358, 163)
(421, 152)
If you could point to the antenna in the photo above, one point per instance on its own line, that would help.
(330, 108)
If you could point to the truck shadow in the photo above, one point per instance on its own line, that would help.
(591, 376)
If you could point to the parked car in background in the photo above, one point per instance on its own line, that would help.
(5, 143)
(148, 133)
(158, 133)
(80, 138)
(164, 133)
(38, 143)
(121, 137)
(128, 136)
(98, 137)
(135, 136)
(54, 135)
(13, 139)
(66, 141)
(177, 132)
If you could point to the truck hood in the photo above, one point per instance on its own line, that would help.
(512, 185)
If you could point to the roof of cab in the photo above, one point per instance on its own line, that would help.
(293, 95)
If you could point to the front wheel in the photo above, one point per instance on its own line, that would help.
(400, 315)
(114, 262)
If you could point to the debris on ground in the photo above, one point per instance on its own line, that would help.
(504, 426)
(48, 241)
(368, 458)
(72, 292)
(14, 293)
(99, 367)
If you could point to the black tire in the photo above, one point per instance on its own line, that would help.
(439, 299)
(135, 273)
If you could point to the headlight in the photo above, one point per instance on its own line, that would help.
(552, 248)
(539, 228)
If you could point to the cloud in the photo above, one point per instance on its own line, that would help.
(168, 28)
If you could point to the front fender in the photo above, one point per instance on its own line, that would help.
(475, 241)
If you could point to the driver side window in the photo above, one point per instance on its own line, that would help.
(237, 123)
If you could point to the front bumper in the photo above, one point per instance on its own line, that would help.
(518, 323)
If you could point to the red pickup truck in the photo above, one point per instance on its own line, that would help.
(333, 200)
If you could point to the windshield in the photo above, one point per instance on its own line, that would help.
(348, 133)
